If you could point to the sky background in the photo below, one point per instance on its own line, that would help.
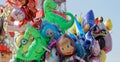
(107, 9)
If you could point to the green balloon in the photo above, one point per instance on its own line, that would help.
(64, 24)
(37, 47)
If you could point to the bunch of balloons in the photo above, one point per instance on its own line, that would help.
(48, 35)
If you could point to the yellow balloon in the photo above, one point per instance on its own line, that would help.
(102, 56)
(108, 24)
(73, 29)
(80, 20)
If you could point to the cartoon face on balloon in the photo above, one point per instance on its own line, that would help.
(65, 45)
(18, 14)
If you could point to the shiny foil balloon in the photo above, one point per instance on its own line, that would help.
(18, 14)
(88, 21)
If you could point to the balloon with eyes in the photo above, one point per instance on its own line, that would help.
(78, 38)
(66, 48)
(99, 31)
(79, 48)
(50, 30)
(25, 48)
(36, 49)
(64, 24)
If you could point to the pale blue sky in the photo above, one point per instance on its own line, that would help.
(107, 9)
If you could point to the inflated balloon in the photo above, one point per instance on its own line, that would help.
(18, 14)
(73, 29)
(88, 21)
(95, 48)
(37, 23)
(60, 13)
(101, 41)
(108, 43)
(25, 47)
(108, 24)
(79, 48)
(95, 59)
(36, 49)
(99, 30)
(52, 56)
(102, 56)
(89, 39)
(50, 30)
(80, 20)
(50, 5)
(65, 45)
(79, 29)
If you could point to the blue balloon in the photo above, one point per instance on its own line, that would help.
(88, 19)
(50, 30)
(79, 29)
(79, 48)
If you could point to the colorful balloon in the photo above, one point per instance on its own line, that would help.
(102, 56)
(88, 21)
(49, 30)
(50, 5)
(18, 14)
(108, 24)
(108, 43)
(36, 49)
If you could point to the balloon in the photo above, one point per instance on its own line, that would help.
(73, 29)
(102, 56)
(49, 30)
(101, 41)
(37, 48)
(49, 5)
(52, 56)
(79, 48)
(94, 59)
(108, 43)
(18, 14)
(79, 29)
(80, 20)
(95, 48)
(108, 24)
(25, 47)
(88, 21)
(65, 46)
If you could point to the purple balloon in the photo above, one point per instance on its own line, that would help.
(108, 43)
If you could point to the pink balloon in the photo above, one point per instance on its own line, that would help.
(108, 43)
(96, 48)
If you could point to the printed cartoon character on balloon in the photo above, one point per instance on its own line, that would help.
(50, 31)
(66, 48)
